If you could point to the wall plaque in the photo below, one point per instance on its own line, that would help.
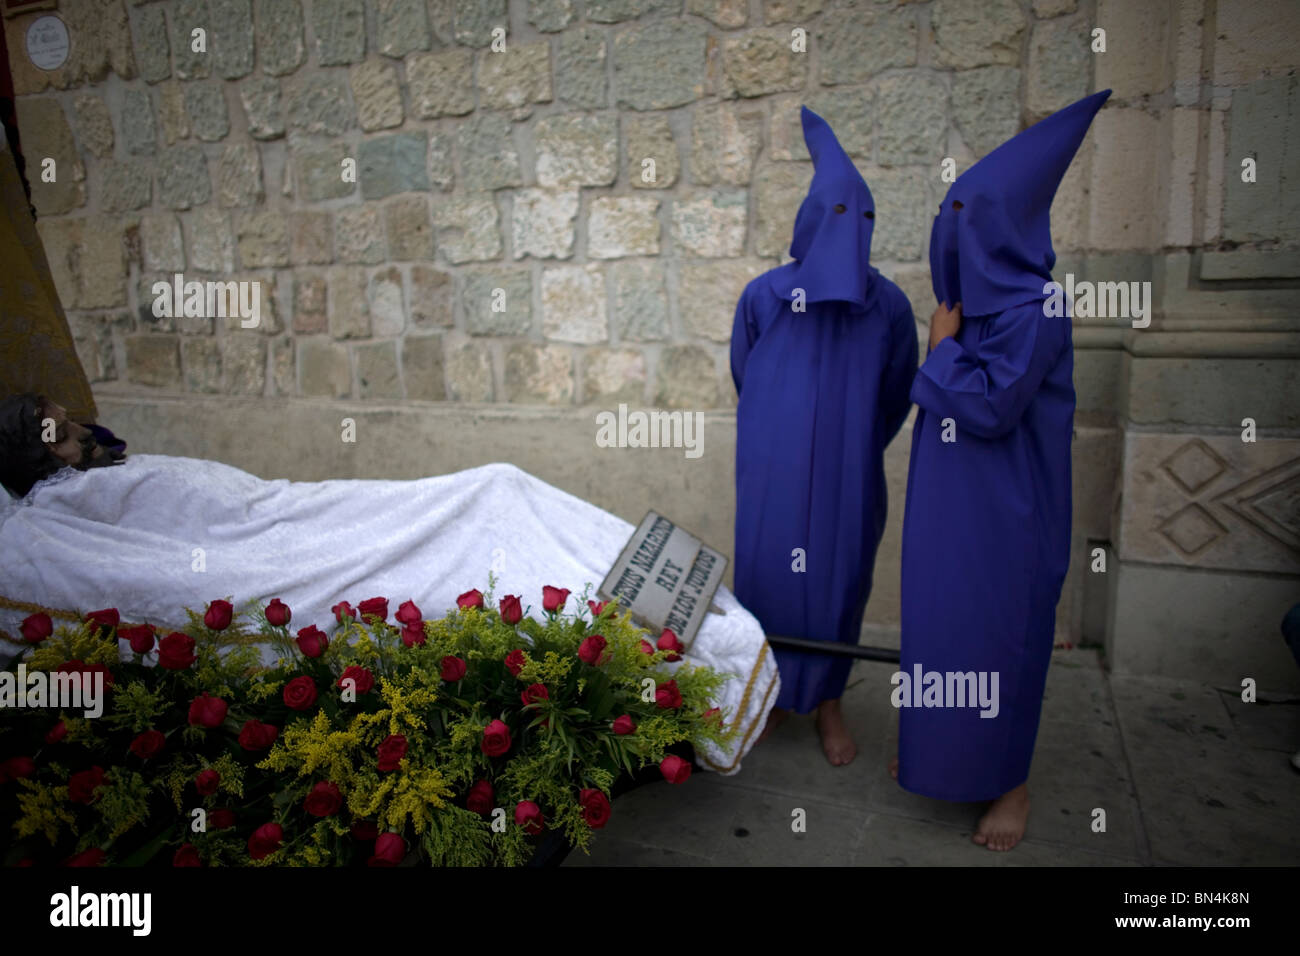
(47, 42)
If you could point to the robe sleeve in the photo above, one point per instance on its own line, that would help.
(896, 383)
(987, 391)
(744, 332)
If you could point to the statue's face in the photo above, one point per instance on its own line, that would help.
(73, 444)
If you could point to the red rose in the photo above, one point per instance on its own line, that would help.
(413, 635)
(675, 769)
(533, 693)
(36, 628)
(324, 800)
(668, 642)
(312, 641)
(595, 808)
(148, 744)
(187, 855)
(15, 768)
(92, 857)
(597, 609)
(343, 609)
(668, 696)
(376, 607)
(176, 652)
(57, 733)
(553, 598)
(529, 816)
(591, 649)
(714, 716)
(496, 739)
(364, 831)
(218, 615)
(624, 725)
(647, 647)
(480, 798)
(82, 786)
(408, 613)
(453, 669)
(363, 680)
(221, 819)
(105, 619)
(391, 752)
(256, 735)
(277, 613)
(390, 850)
(515, 661)
(512, 611)
(471, 598)
(207, 711)
(265, 840)
(207, 781)
(141, 637)
(300, 693)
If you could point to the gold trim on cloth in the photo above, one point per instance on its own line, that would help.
(12, 605)
(744, 704)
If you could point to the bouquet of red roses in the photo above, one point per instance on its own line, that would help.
(390, 739)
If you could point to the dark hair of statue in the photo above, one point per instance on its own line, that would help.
(24, 458)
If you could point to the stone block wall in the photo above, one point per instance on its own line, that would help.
(565, 216)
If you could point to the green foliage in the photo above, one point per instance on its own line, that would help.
(81, 642)
(136, 707)
(43, 808)
(123, 803)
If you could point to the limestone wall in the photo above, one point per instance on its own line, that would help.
(518, 177)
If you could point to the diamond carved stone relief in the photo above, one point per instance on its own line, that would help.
(1211, 501)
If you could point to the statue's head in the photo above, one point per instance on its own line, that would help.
(37, 439)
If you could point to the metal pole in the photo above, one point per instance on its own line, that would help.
(834, 647)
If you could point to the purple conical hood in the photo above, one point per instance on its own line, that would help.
(832, 230)
(995, 252)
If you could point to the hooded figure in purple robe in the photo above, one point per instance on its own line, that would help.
(823, 352)
(986, 531)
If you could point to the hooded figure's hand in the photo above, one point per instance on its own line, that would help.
(944, 323)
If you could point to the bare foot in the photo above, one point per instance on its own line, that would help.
(836, 740)
(893, 768)
(1003, 825)
(774, 718)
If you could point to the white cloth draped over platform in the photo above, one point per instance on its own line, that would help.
(124, 537)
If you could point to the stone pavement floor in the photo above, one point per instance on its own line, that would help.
(1187, 775)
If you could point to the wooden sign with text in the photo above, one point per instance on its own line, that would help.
(666, 577)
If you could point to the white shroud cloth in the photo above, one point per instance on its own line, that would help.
(125, 536)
